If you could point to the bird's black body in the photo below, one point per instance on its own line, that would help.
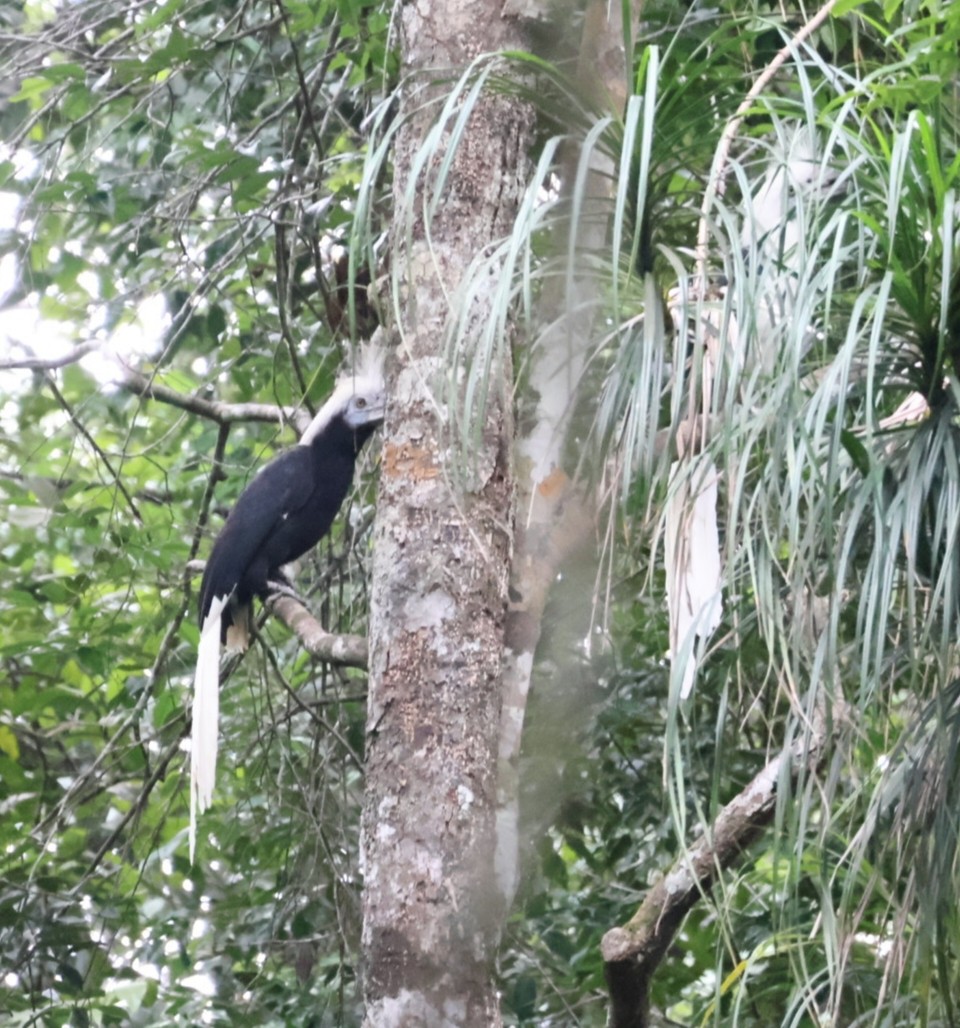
(285, 511)
(282, 513)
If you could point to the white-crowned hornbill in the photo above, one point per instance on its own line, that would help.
(287, 508)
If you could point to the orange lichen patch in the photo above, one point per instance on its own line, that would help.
(407, 461)
(553, 484)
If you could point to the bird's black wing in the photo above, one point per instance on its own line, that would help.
(279, 489)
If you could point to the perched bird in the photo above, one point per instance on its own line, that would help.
(692, 561)
(775, 251)
(285, 511)
(777, 242)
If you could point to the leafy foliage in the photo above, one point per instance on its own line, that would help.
(194, 188)
(840, 535)
(205, 155)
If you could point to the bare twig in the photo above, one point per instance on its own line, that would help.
(51, 364)
(347, 650)
(718, 177)
(312, 712)
(97, 449)
(633, 951)
(214, 410)
(134, 810)
(163, 652)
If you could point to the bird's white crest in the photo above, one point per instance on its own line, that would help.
(363, 379)
(206, 717)
(776, 220)
(692, 559)
(772, 209)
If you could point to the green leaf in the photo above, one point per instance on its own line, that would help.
(856, 451)
(844, 7)
(8, 742)
(34, 87)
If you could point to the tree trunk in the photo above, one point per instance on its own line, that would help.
(442, 549)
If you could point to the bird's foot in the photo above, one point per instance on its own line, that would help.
(284, 589)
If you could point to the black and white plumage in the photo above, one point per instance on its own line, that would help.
(776, 243)
(285, 511)
(750, 336)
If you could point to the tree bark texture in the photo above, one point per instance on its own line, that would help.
(442, 552)
(553, 519)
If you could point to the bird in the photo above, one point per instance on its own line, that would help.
(285, 511)
(777, 241)
(692, 561)
(773, 250)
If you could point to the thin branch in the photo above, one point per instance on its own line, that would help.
(81, 428)
(51, 364)
(312, 713)
(633, 951)
(285, 260)
(163, 652)
(134, 810)
(717, 181)
(307, 120)
(346, 650)
(213, 410)
(716, 186)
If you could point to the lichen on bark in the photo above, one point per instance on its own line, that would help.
(441, 551)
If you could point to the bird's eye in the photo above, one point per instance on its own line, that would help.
(361, 402)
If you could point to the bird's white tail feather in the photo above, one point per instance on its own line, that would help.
(692, 560)
(206, 717)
